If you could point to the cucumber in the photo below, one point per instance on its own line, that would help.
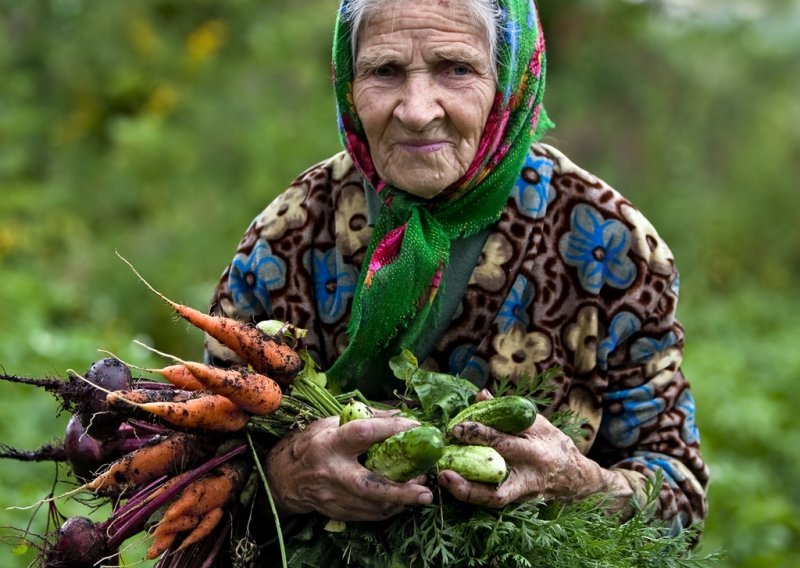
(475, 463)
(511, 414)
(354, 410)
(407, 454)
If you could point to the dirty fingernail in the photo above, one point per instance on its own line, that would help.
(425, 499)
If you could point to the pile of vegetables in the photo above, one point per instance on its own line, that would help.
(179, 462)
(172, 457)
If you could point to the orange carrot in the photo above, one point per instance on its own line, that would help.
(207, 412)
(166, 456)
(203, 528)
(198, 500)
(161, 542)
(141, 396)
(179, 376)
(265, 353)
(252, 392)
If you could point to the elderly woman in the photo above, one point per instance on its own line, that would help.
(445, 228)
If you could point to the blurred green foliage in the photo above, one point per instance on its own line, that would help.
(160, 128)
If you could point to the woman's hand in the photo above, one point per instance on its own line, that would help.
(543, 462)
(317, 469)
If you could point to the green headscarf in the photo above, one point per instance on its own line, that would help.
(396, 296)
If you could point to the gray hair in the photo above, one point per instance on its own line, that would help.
(486, 13)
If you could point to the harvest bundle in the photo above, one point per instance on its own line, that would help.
(174, 458)
(179, 461)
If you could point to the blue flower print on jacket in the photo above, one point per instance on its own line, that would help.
(252, 276)
(334, 283)
(626, 411)
(689, 431)
(514, 310)
(598, 249)
(675, 285)
(673, 473)
(464, 364)
(534, 195)
(646, 347)
(623, 325)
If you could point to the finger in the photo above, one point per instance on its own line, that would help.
(377, 488)
(357, 436)
(379, 413)
(482, 395)
(477, 434)
(481, 494)
(370, 512)
(370, 496)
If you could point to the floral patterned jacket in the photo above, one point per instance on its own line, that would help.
(571, 276)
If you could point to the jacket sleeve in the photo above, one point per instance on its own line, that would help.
(648, 422)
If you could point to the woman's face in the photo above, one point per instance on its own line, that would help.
(423, 89)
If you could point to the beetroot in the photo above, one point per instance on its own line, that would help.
(111, 375)
(84, 453)
(80, 543)
(89, 402)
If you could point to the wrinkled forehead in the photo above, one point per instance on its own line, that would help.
(484, 15)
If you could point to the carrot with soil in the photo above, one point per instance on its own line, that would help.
(265, 353)
(127, 398)
(165, 456)
(208, 412)
(253, 392)
(177, 375)
(206, 496)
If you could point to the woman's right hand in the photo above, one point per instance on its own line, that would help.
(317, 469)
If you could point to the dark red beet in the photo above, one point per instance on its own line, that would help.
(112, 375)
(84, 453)
(80, 543)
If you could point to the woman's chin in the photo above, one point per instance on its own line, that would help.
(426, 183)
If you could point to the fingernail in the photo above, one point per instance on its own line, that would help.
(425, 499)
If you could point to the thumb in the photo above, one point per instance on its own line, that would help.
(482, 395)
(357, 436)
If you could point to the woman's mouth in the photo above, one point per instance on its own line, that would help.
(421, 146)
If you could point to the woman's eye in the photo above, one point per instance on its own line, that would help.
(383, 71)
(461, 70)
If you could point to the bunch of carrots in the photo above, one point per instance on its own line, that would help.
(171, 456)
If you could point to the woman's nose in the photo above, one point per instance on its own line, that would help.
(420, 103)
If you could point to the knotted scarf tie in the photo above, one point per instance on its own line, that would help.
(396, 296)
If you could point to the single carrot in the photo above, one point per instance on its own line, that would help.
(198, 500)
(253, 392)
(207, 412)
(180, 377)
(177, 375)
(166, 456)
(203, 528)
(142, 396)
(161, 543)
(265, 353)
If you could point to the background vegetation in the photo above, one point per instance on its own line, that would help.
(160, 128)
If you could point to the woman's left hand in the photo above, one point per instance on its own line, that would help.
(543, 463)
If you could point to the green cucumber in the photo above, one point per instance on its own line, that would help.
(511, 414)
(354, 410)
(475, 463)
(407, 454)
